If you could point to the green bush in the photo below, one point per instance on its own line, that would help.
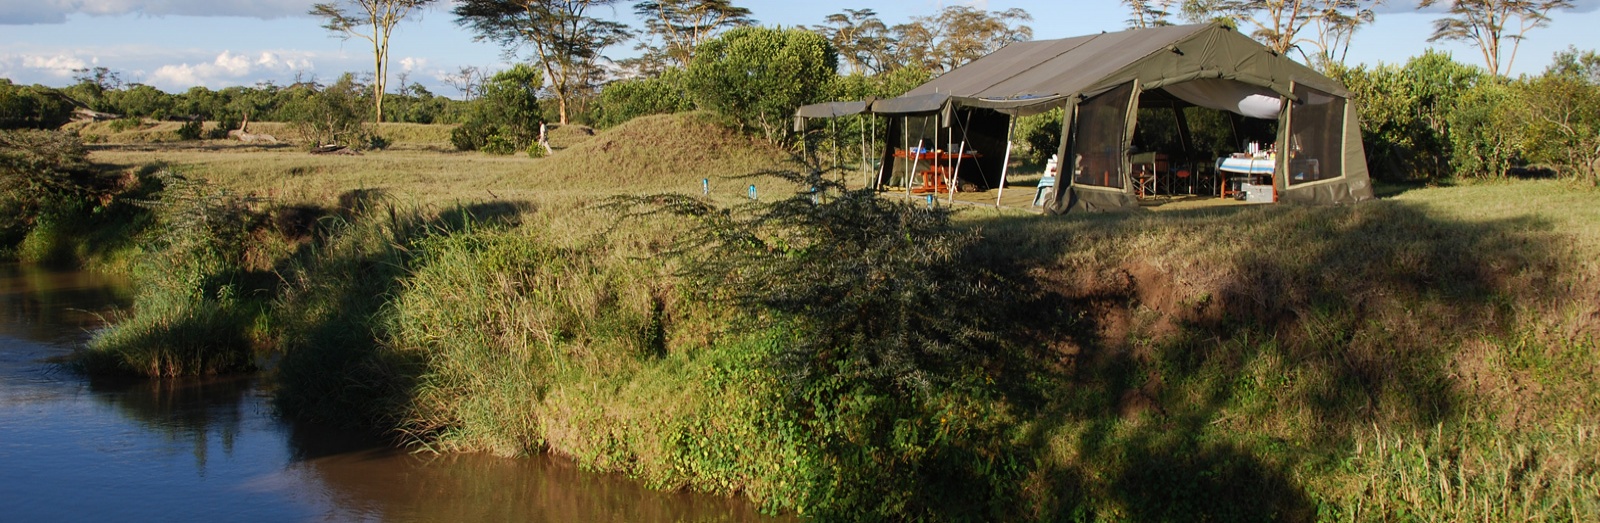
(35, 107)
(1041, 133)
(498, 144)
(1559, 122)
(191, 130)
(40, 170)
(893, 326)
(508, 109)
(1482, 130)
(227, 122)
(191, 309)
(756, 77)
(472, 135)
(333, 115)
(126, 123)
(628, 99)
(1406, 114)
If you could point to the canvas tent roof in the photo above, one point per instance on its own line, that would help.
(1031, 77)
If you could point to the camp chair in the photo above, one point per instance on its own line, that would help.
(1048, 181)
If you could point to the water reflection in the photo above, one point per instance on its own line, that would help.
(210, 449)
(56, 306)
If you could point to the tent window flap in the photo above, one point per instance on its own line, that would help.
(1316, 133)
(1101, 128)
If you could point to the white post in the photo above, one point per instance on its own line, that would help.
(1006, 166)
(955, 175)
(914, 161)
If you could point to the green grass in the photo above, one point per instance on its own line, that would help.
(1426, 356)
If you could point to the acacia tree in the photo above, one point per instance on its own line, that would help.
(862, 39)
(1277, 22)
(682, 25)
(566, 41)
(373, 21)
(958, 35)
(1145, 13)
(1485, 24)
(1336, 26)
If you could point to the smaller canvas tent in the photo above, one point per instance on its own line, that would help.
(1102, 80)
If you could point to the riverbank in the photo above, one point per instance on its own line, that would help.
(1429, 353)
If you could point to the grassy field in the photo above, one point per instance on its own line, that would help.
(1427, 356)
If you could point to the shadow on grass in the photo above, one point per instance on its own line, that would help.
(334, 367)
(1164, 399)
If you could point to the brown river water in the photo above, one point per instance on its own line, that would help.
(76, 449)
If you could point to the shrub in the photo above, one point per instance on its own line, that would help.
(628, 99)
(191, 311)
(1482, 130)
(756, 77)
(508, 109)
(226, 123)
(335, 114)
(893, 334)
(191, 130)
(1406, 113)
(126, 123)
(1560, 118)
(1041, 133)
(35, 107)
(498, 144)
(39, 170)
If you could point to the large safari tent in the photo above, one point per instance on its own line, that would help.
(1309, 151)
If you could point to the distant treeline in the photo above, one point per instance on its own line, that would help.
(41, 107)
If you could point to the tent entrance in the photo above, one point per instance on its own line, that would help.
(1130, 146)
(967, 145)
(1176, 144)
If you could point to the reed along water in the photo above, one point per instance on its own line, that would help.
(80, 449)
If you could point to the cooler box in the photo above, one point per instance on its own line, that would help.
(1257, 193)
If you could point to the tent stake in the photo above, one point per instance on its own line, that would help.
(1005, 167)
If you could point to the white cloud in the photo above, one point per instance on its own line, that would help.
(231, 69)
(56, 11)
(410, 63)
(58, 65)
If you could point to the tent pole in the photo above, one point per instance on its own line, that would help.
(955, 175)
(833, 129)
(949, 144)
(911, 165)
(874, 138)
(864, 147)
(1005, 167)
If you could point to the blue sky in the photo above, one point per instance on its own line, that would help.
(176, 44)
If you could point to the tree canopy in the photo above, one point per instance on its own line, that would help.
(378, 17)
(673, 29)
(1487, 24)
(566, 40)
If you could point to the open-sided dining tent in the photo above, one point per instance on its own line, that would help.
(1100, 81)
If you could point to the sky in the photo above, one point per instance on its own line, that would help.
(177, 44)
